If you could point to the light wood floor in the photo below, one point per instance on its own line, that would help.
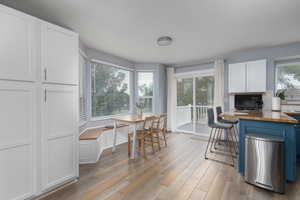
(176, 172)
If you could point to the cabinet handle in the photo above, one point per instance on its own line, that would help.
(45, 74)
(45, 95)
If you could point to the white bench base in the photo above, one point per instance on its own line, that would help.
(91, 150)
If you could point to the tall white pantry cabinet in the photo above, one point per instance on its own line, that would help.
(38, 105)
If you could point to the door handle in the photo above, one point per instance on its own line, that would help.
(45, 95)
(45, 74)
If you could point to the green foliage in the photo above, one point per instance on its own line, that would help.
(110, 91)
(204, 91)
(140, 105)
(280, 94)
(287, 76)
(145, 90)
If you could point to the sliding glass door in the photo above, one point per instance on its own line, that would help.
(195, 94)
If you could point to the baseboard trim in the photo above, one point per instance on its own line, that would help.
(64, 185)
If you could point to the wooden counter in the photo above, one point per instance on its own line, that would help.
(267, 116)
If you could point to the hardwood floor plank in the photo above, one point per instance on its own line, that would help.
(175, 188)
(177, 172)
(216, 189)
(197, 194)
(104, 186)
(152, 169)
(209, 176)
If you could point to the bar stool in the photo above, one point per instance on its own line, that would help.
(234, 122)
(219, 128)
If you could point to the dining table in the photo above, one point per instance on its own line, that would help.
(133, 120)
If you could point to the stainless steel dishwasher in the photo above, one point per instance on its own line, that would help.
(264, 162)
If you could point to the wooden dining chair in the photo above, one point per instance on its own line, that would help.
(160, 129)
(143, 136)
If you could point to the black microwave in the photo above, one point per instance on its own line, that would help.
(248, 102)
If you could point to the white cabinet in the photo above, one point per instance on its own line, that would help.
(18, 45)
(248, 77)
(237, 75)
(60, 134)
(256, 76)
(17, 140)
(32, 163)
(59, 55)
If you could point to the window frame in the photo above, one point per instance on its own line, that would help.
(131, 89)
(280, 65)
(137, 88)
(84, 85)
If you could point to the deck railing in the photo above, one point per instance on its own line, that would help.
(185, 114)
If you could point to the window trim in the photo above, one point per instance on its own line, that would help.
(111, 64)
(84, 85)
(137, 91)
(131, 90)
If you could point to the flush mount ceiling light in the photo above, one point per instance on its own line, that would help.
(164, 41)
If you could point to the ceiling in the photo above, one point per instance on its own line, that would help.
(201, 29)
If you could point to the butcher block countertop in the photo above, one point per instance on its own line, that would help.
(268, 116)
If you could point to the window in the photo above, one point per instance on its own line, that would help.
(288, 77)
(82, 96)
(145, 89)
(110, 90)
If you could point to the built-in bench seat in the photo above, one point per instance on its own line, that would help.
(94, 133)
(94, 140)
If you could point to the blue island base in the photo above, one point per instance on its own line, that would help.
(284, 130)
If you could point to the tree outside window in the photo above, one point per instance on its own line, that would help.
(288, 78)
(145, 89)
(110, 90)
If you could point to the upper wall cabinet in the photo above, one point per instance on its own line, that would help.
(59, 55)
(256, 76)
(18, 42)
(237, 77)
(248, 77)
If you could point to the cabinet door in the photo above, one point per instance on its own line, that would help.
(17, 158)
(18, 42)
(60, 134)
(59, 55)
(237, 76)
(256, 76)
